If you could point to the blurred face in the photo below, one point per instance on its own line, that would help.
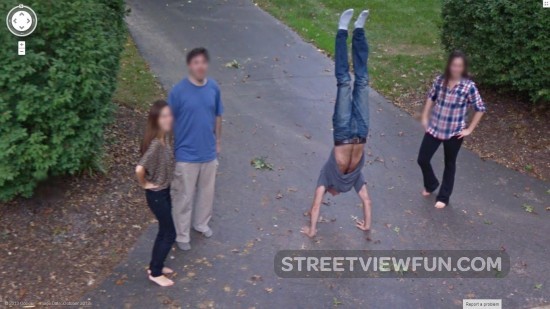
(457, 68)
(166, 120)
(198, 67)
(332, 191)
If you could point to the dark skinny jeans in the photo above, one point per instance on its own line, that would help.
(160, 204)
(428, 148)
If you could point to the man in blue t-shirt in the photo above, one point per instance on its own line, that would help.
(197, 108)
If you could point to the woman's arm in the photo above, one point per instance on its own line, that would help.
(472, 126)
(148, 162)
(426, 113)
(430, 101)
(474, 99)
(140, 175)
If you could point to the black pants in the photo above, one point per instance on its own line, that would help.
(160, 204)
(427, 149)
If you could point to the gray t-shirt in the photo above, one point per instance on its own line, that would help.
(332, 177)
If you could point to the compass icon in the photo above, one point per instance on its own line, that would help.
(21, 20)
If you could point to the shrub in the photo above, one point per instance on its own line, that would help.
(56, 100)
(507, 41)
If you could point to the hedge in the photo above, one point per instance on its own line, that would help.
(56, 101)
(507, 41)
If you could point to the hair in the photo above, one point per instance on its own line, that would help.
(452, 56)
(152, 130)
(195, 52)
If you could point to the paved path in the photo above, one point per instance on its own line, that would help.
(283, 93)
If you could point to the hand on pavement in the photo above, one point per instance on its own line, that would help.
(308, 231)
(360, 224)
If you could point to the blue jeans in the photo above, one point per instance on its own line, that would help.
(351, 112)
(160, 204)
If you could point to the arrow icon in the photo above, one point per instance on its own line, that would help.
(21, 21)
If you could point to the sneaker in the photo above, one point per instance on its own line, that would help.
(208, 233)
(185, 246)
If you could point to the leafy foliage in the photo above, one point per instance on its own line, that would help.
(507, 41)
(56, 100)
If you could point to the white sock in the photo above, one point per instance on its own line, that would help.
(345, 18)
(360, 22)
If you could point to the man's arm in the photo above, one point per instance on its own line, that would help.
(364, 196)
(218, 133)
(314, 212)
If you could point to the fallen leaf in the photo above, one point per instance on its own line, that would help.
(256, 278)
(241, 293)
(528, 208)
(233, 64)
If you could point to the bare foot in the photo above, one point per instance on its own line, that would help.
(165, 271)
(360, 224)
(440, 205)
(309, 232)
(426, 193)
(161, 280)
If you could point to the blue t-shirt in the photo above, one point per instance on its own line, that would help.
(195, 109)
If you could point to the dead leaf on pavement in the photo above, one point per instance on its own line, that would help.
(241, 293)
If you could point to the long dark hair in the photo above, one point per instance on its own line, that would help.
(454, 55)
(152, 130)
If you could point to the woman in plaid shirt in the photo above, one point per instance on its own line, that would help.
(443, 119)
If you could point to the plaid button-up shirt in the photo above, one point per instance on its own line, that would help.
(450, 107)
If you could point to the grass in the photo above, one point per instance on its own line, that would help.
(404, 37)
(137, 87)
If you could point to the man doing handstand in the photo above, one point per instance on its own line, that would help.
(350, 122)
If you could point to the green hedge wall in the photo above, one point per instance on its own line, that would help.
(56, 101)
(508, 42)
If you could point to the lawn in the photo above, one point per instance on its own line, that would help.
(406, 54)
(136, 85)
(404, 38)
